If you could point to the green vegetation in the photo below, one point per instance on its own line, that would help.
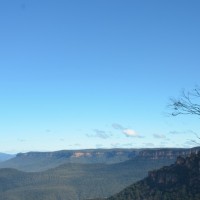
(74, 181)
(180, 181)
(71, 181)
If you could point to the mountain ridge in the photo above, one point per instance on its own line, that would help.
(41, 161)
(5, 156)
(71, 181)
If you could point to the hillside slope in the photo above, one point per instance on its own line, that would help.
(177, 181)
(74, 181)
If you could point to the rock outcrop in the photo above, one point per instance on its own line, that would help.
(177, 181)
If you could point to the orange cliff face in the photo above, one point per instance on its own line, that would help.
(81, 154)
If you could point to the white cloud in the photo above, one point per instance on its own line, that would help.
(126, 131)
(130, 133)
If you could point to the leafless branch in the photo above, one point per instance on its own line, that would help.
(187, 104)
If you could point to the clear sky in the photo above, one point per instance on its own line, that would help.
(96, 73)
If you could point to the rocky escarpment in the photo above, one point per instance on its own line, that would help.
(111, 155)
(40, 161)
(186, 171)
(166, 153)
(108, 156)
(177, 181)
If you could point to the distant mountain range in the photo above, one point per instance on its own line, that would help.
(4, 157)
(179, 181)
(41, 161)
(72, 181)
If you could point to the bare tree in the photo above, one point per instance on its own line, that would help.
(187, 104)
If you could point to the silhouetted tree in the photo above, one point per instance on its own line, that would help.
(187, 104)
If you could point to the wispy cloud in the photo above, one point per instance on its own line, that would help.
(127, 145)
(21, 140)
(159, 136)
(74, 145)
(183, 132)
(119, 145)
(177, 132)
(77, 145)
(100, 134)
(99, 146)
(148, 144)
(118, 126)
(116, 145)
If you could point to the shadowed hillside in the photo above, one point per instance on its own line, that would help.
(178, 181)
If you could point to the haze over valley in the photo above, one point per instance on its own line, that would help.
(99, 99)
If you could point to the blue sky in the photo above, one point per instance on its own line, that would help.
(96, 73)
